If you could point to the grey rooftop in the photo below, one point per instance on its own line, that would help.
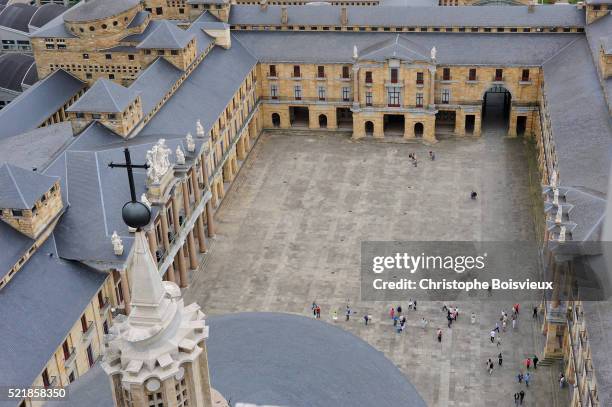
(399, 47)
(17, 16)
(283, 360)
(30, 109)
(490, 16)
(91, 10)
(22, 188)
(105, 96)
(46, 13)
(17, 70)
(166, 35)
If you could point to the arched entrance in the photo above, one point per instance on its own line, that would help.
(322, 121)
(275, 120)
(393, 124)
(369, 128)
(496, 103)
(419, 129)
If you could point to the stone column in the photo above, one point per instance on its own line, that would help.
(180, 257)
(180, 254)
(209, 217)
(356, 86)
(193, 258)
(125, 291)
(459, 122)
(512, 124)
(478, 125)
(432, 87)
(408, 128)
(170, 273)
(201, 236)
(240, 148)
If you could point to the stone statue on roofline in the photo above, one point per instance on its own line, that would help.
(117, 244)
(145, 200)
(180, 156)
(553, 179)
(556, 196)
(559, 215)
(158, 161)
(562, 232)
(190, 143)
(199, 129)
(434, 52)
(355, 52)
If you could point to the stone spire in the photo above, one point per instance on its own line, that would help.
(158, 352)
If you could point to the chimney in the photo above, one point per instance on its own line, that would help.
(284, 15)
(263, 5)
(531, 7)
(343, 16)
(220, 32)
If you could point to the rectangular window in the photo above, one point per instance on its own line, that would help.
(321, 92)
(112, 116)
(394, 75)
(419, 100)
(174, 52)
(446, 96)
(393, 97)
(368, 77)
(273, 70)
(472, 74)
(446, 75)
(17, 212)
(274, 91)
(368, 98)
(320, 71)
(499, 74)
(345, 72)
(131, 57)
(90, 357)
(108, 56)
(525, 75)
(419, 78)
(83, 323)
(85, 56)
(296, 71)
(45, 378)
(50, 46)
(297, 91)
(159, 11)
(346, 94)
(66, 350)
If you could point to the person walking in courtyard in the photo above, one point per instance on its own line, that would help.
(335, 315)
(561, 380)
(513, 322)
(520, 377)
(314, 309)
(535, 361)
(521, 397)
(490, 366)
(473, 318)
(318, 312)
(432, 156)
(535, 312)
(439, 334)
(392, 312)
(366, 318)
(499, 341)
(348, 312)
(499, 359)
(492, 336)
(423, 323)
(527, 363)
(415, 304)
(399, 310)
(516, 399)
(527, 378)
(473, 195)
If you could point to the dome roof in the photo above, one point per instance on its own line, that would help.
(90, 10)
(290, 360)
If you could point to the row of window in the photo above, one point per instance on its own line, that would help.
(103, 26)
(499, 75)
(272, 72)
(16, 45)
(322, 92)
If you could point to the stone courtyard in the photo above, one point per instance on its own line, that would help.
(289, 233)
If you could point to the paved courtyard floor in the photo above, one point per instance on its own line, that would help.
(289, 232)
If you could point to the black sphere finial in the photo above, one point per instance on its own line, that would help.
(136, 214)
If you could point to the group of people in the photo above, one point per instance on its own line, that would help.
(399, 319)
(412, 156)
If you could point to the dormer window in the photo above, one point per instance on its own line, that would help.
(17, 212)
(80, 115)
(96, 116)
(174, 52)
(112, 116)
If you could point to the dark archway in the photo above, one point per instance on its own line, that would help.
(419, 129)
(521, 125)
(369, 128)
(470, 122)
(445, 121)
(298, 116)
(322, 121)
(496, 104)
(276, 120)
(393, 124)
(344, 117)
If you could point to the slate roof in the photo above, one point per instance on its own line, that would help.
(264, 368)
(43, 299)
(36, 148)
(22, 188)
(105, 96)
(17, 16)
(98, 9)
(30, 109)
(17, 69)
(154, 82)
(579, 118)
(54, 28)
(46, 13)
(204, 94)
(490, 16)
(166, 35)
(452, 48)
(14, 244)
(138, 19)
(398, 48)
(203, 40)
